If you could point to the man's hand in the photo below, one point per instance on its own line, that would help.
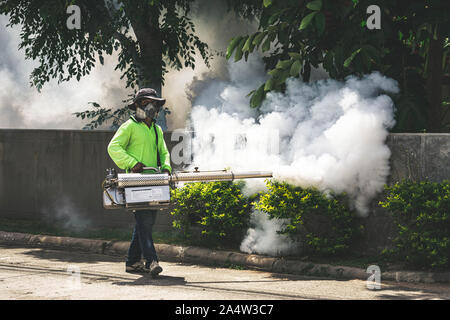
(139, 167)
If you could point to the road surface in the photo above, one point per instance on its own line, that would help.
(37, 273)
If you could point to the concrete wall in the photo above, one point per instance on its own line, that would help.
(421, 156)
(56, 175)
(416, 157)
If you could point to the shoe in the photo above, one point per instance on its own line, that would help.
(137, 267)
(155, 269)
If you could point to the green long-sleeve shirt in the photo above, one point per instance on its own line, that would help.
(135, 142)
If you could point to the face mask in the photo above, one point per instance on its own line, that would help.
(151, 110)
(148, 111)
(140, 114)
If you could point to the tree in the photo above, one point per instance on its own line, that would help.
(150, 36)
(411, 46)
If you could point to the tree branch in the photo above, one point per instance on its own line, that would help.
(128, 44)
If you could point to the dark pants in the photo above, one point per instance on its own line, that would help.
(142, 241)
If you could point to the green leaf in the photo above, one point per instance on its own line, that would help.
(239, 52)
(284, 64)
(315, 5)
(282, 77)
(349, 60)
(269, 84)
(328, 61)
(274, 73)
(248, 46)
(283, 36)
(257, 40)
(320, 22)
(234, 42)
(266, 45)
(295, 55)
(267, 3)
(274, 17)
(295, 68)
(94, 104)
(250, 93)
(307, 20)
(257, 97)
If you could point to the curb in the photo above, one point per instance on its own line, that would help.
(174, 253)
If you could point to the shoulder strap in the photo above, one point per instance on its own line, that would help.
(157, 151)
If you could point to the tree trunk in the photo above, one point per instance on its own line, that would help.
(148, 34)
(434, 84)
(146, 29)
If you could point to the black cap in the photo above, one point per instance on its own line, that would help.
(146, 93)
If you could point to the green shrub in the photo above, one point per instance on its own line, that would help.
(421, 211)
(322, 224)
(215, 213)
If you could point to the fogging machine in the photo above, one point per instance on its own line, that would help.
(140, 191)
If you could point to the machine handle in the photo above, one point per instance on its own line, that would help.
(152, 168)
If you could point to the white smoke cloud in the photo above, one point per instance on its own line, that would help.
(216, 26)
(263, 236)
(329, 134)
(24, 107)
(66, 214)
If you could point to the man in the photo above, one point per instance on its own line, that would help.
(139, 143)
